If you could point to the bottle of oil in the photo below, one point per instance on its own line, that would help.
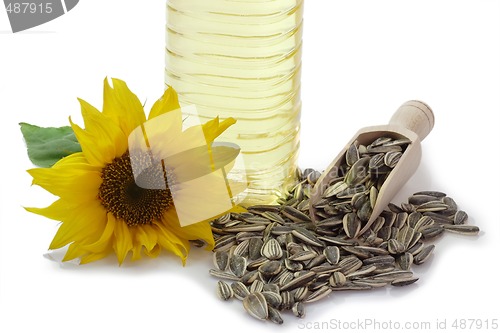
(242, 59)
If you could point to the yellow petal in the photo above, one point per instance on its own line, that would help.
(71, 183)
(172, 242)
(168, 102)
(155, 251)
(214, 128)
(93, 257)
(146, 235)
(76, 160)
(122, 106)
(122, 243)
(74, 251)
(196, 231)
(104, 241)
(108, 137)
(87, 222)
(59, 210)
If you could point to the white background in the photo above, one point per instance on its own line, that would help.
(362, 59)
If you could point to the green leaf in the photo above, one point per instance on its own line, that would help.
(47, 145)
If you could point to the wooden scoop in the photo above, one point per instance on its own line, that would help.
(413, 121)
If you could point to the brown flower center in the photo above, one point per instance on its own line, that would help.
(139, 200)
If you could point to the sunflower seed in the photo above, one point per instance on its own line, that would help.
(424, 254)
(300, 293)
(269, 268)
(462, 229)
(431, 231)
(274, 315)
(299, 281)
(240, 291)
(295, 214)
(393, 275)
(272, 249)
(298, 309)
(370, 283)
(350, 264)
(332, 254)
(362, 271)
(255, 304)
(380, 260)
(404, 281)
(221, 260)
(423, 222)
(256, 286)
(337, 279)
(223, 275)
(392, 158)
(432, 206)
(460, 217)
(352, 225)
(241, 249)
(271, 287)
(318, 294)
(394, 246)
(223, 243)
(352, 154)
(405, 261)
(307, 236)
(237, 265)
(303, 256)
(352, 286)
(335, 189)
(287, 300)
(249, 277)
(224, 291)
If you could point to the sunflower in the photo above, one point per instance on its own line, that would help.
(138, 185)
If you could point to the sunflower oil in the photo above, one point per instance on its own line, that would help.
(242, 59)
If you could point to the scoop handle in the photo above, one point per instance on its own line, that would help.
(415, 116)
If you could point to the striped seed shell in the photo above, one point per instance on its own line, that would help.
(424, 254)
(405, 261)
(392, 158)
(240, 291)
(255, 304)
(299, 281)
(256, 286)
(432, 206)
(270, 268)
(221, 259)
(352, 154)
(307, 236)
(318, 294)
(237, 265)
(337, 279)
(272, 249)
(274, 315)
(352, 225)
(462, 229)
(298, 309)
(404, 281)
(224, 291)
(332, 254)
(460, 217)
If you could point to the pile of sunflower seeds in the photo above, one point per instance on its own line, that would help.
(274, 258)
(361, 174)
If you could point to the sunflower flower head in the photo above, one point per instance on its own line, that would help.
(139, 184)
